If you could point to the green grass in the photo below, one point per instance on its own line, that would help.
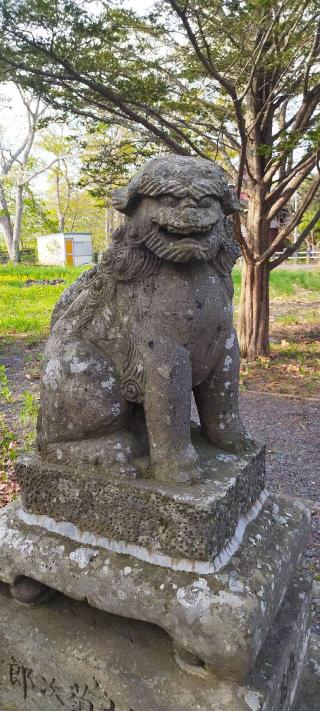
(26, 311)
(298, 284)
(310, 316)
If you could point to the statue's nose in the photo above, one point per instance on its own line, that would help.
(189, 202)
(191, 215)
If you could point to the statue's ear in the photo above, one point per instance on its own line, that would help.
(120, 199)
(230, 201)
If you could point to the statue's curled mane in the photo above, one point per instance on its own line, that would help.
(128, 259)
(137, 250)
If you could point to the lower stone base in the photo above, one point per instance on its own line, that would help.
(66, 655)
(222, 618)
(309, 697)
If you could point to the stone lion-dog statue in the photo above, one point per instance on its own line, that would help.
(135, 336)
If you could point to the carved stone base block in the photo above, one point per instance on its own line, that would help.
(66, 655)
(309, 697)
(222, 618)
(170, 520)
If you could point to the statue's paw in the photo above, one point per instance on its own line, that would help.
(178, 473)
(232, 438)
(237, 442)
(181, 466)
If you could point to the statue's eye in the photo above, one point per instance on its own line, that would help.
(206, 201)
(169, 200)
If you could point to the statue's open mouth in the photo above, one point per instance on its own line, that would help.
(185, 233)
(183, 243)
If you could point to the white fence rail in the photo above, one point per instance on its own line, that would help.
(308, 256)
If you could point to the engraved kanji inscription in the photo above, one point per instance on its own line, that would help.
(68, 696)
(79, 698)
(53, 689)
(21, 676)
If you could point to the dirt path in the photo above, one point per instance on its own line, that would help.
(22, 362)
(291, 429)
(281, 308)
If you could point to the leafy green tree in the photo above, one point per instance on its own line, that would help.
(18, 168)
(71, 205)
(63, 176)
(233, 81)
(110, 155)
(87, 214)
(36, 219)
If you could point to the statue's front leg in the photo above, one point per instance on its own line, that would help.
(217, 401)
(167, 405)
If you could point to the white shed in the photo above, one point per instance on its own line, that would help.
(65, 248)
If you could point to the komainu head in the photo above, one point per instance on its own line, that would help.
(176, 210)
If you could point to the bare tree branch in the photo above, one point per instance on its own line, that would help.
(295, 220)
(293, 248)
(292, 186)
(38, 172)
(221, 79)
(307, 162)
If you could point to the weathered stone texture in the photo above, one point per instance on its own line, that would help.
(69, 656)
(309, 697)
(149, 325)
(133, 510)
(171, 519)
(285, 649)
(224, 618)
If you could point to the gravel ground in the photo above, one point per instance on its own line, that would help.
(289, 426)
(291, 429)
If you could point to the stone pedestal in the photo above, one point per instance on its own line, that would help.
(309, 697)
(223, 618)
(238, 638)
(213, 565)
(171, 524)
(69, 656)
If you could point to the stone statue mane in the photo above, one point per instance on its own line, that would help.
(140, 245)
(138, 248)
(157, 204)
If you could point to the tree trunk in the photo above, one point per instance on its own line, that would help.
(254, 311)
(14, 255)
(109, 223)
(6, 223)
(8, 233)
(11, 244)
(17, 224)
(254, 301)
(61, 219)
